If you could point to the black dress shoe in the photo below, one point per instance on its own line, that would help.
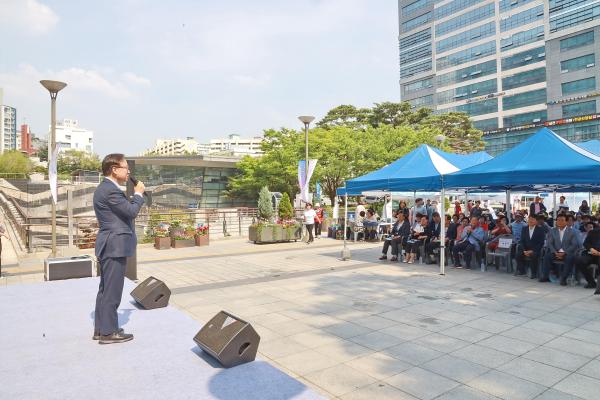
(116, 338)
(597, 290)
(97, 334)
(544, 280)
(563, 282)
(383, 258)
(590, 286)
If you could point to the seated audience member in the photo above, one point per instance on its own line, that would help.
(590, 255)
(370, 223)
(491, 224)
(562, 251)
(517, 227)
(433, 241)
(500, 229)
(476, 210)
(398, 235)
(461, 216)
(587, 228)
(457, 208)
(451, 231)
(464, 222)
(584, 208)
(358, 222)
(469, 241)
(418, 236)
(562, 205)
(531, 243)
(482, 221)
(541, 221)
(584, 220)
(403, 209)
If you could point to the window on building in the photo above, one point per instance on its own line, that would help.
(478, 108)
(575, 64)
(466, 19)
(578, 86)
(525, 118)
(506, 5)
(468, 91)
(522, 18)
(579, 15)
(417, 85)
(525, 99)
(416, 22)
(415, 53)
(525, 58)
(522, 38)
(524, 78)
(461, 39)
(424, 101)
(416, 6)
(415, 68)
(574, 110)
(453, 7)
(583, 39)
(466, 74)
(415, 38)
(463, 56)
(486, 124)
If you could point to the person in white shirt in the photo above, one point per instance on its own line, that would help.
(360, 207)
(309, 221)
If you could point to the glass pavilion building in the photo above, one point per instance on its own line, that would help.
(512, 65)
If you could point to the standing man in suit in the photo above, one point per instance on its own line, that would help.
(562, 250)
(115, 242)
(532, 238)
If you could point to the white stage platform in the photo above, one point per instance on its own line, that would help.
(46, 352)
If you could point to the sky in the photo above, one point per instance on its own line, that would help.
(138, 70)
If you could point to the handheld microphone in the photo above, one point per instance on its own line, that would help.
(135, 182)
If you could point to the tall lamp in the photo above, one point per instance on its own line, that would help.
(306, 120)
(53, 87)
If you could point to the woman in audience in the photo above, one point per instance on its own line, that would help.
(584, 208)
(420, 233)
(464, 221)
(370, 223)
(483, 223)
(501, 229)
(402, 208)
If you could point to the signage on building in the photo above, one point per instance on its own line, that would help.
(486, 97)
(556, 122)
(570, 99)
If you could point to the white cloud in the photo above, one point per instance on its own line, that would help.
(136, 79)
(28, 16)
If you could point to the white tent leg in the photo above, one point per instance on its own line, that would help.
(508, 208)
(554, 213)
(345, 250)
(443, 234)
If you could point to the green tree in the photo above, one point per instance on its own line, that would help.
(70, 161)
(42, 153)
(265, 206)
(345, 115)
(460, 135)
(396, 114)
(15, 162)
(286, 211)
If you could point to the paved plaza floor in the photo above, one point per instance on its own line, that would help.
(367, 329)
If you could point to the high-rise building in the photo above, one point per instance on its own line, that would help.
(70, 136)
(9, 137)
(512, 65)
(173, 147)
(235, 145)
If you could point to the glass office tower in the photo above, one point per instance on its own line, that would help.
(512, 65)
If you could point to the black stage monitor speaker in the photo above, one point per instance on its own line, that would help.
(229, 339)
(68, 268)
(152, 293)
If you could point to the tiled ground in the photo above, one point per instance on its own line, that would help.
(365, 329)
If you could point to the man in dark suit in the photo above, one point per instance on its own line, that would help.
(115, 242)
(537, 206)
(400, 232)
(562, 250)
(434, 240)
(531, 244)
(590, 255)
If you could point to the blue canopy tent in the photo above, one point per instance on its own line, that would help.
(421, 169)
(593, 146)
(544, 161)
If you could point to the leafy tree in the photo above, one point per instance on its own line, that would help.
(345, 115)
(42, 153)
(460, 135)
(286, 211)
(15, 162)
(396, 114)
(265, 207)
(70, 161)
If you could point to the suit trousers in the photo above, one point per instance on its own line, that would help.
(110, 291)
(533, 263)
(394, 243)
(467, 249)
(583, 263)
(564, 268)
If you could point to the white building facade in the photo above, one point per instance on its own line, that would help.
(10, 138)
(237, 146)
(173, 147)
(70, 136)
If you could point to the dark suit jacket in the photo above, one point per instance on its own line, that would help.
(433, 231)
(452, 231)
(116, 216)
(401, 229)
(592, 240)
(532, 208)
(536, 243)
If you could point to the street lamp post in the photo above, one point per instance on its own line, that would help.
(306, 119)
(53, 87)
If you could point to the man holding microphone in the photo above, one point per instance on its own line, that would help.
(116, 240)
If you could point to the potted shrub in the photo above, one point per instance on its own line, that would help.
(183, 237)
(201, 235)
(261, 231)
(162, 240)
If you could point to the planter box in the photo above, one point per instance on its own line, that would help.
(273, 233)
(176, 232)
(162, 243)
(178, 244)
(201, 240)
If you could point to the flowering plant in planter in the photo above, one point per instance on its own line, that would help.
(160, 231)
(202, 230)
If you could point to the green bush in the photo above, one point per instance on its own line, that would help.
(265, 207)
(286, 211)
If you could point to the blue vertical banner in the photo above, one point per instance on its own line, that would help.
(318, 191)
